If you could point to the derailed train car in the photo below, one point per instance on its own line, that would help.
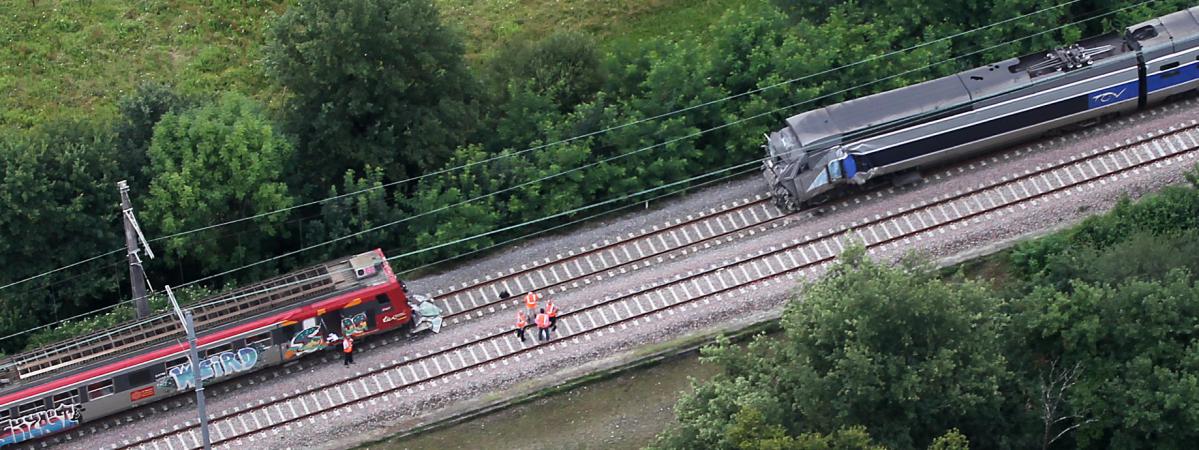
(65, 384)
(821, 152)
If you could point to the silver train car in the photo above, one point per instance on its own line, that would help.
(820, 153)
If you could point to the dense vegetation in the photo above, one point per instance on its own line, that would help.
(264, 105)
(1089, 342)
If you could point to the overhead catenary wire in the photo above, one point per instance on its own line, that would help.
(688, 136)
(296, 282)
(577, 221)
(567, 140)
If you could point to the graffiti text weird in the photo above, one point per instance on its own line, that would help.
(215, 366)
(40, 423)
(352, 326)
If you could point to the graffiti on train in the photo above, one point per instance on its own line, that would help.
(40, 423)
(355, 325)
(215, 366)
(306, 341)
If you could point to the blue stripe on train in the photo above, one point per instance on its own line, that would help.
(1113, 94)
(1169, 78)
(851, 167)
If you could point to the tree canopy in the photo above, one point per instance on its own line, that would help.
(212, 164)
(372, 82)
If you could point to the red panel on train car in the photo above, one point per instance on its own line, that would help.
(142, 393)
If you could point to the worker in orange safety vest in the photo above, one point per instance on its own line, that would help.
(347, 347)
(552, 310)
(543, 326)
(522, 321)
(531, 302)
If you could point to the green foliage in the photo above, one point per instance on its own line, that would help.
(889, 348)
(951, 440)
(210, 165)
(116, 316)
(60, 203)
(139, 111)
(361, 204)
(564, 67)
(1138, 229)
(373, 82)
(75, 59)
(1135, 344)
(898, 351)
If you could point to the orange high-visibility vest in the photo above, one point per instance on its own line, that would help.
(521, 320)
(551, 309)
(543, 320)
(531, 300)
(347, 345)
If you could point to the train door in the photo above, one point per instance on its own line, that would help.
(356, 320)
(306, 337)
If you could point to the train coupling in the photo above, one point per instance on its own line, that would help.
(427, 316)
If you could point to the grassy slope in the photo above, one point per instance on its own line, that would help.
(487, 24)
(75, 58)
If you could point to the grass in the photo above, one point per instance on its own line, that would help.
(488, 24)
(76, 58)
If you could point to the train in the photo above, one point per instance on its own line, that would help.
(894, 135)
(59, 386)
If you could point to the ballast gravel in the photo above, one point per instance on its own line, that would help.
(565, 359)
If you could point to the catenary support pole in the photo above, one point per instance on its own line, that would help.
(137, 275)
(194, 356)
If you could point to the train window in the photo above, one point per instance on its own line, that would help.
(218, 350)
(141, 377)
(259, 340)
(100, 390)
(1169, 66)
(383, 300)
(1145, 32)
(31, 407)
(176, 362)
(70, 397)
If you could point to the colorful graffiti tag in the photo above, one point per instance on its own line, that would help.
(306, 341)
(219, 365)
(351, 326)
(40, 423)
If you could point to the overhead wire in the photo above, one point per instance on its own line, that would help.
(570, 139)
(691, 135)
(296, 282)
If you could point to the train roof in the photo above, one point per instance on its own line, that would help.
(830, 123)
(211, 314)
(1161, 35)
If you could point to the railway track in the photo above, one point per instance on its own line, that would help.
(611, 258)
(799, 257)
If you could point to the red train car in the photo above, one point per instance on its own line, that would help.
(60, 386)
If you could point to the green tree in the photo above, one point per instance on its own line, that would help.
(893, 349)
(213, 164)
(360, 204)
(565, 67)
(899, 351)
(1136, 347)
(139, 111)
(60, 205)
(372, 82)
(951, 440)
